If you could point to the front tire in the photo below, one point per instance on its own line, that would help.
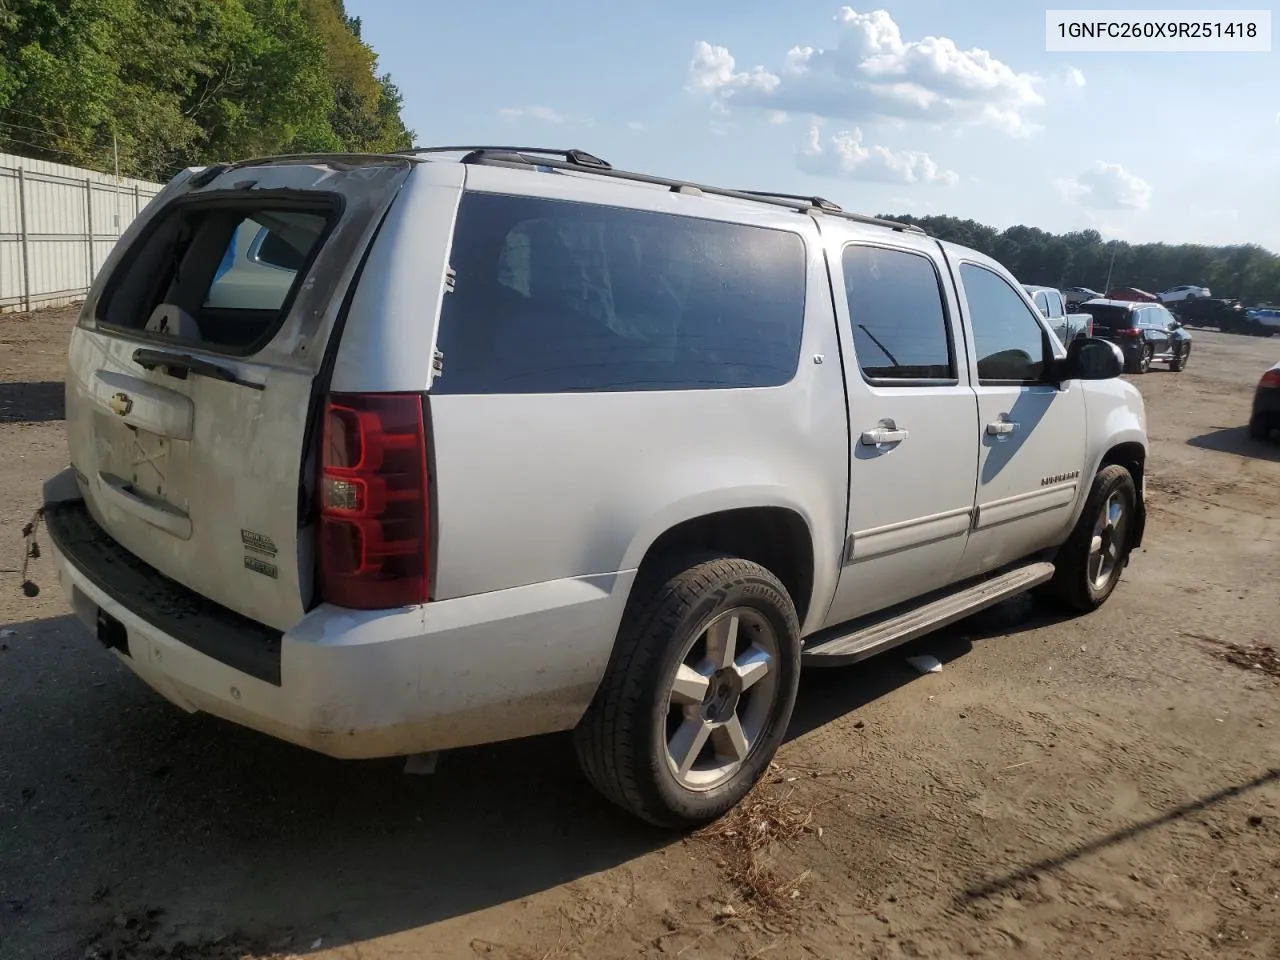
(697, 695)
(1089, 564)
(1179, 363)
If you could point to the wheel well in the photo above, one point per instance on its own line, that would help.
(776, 538)
(1133, 458)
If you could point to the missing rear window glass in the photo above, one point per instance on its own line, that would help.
(219, 276)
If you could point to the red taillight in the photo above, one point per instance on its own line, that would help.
(1270, 380)
(374, 521)
(1128, 332)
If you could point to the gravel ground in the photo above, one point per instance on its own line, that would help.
(1107, 786)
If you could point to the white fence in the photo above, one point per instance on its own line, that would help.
(57, 225)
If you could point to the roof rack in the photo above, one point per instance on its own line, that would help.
(581, 161)
(823, 204)
(578, 158)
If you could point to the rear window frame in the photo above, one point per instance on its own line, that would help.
(328, 204)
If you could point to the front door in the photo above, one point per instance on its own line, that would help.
(912, 420)
(1032, 433)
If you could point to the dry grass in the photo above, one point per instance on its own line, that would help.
(1261, 657)
(743, 838)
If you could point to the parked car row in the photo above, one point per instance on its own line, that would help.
(1190, 305)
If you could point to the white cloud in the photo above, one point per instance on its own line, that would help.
(635, 125)
(1075, 77)
(1107, 186)
(873, 73)
(844, 155)
(778, 117)
(545, 114)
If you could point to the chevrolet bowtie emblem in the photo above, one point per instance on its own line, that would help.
(121, 403)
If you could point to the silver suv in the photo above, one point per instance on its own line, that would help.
(389, 454)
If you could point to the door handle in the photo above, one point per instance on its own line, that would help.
(880, 435)
(1001, 428)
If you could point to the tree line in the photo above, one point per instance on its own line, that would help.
(1082, 258)
(165, 84)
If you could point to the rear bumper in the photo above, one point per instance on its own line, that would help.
(353, 683)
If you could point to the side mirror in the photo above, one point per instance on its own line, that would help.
(1089, 358)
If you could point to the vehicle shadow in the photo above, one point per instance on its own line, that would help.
(135, 806)
(828, 693)
(32, 402)
(1236, 440)
(138, 807)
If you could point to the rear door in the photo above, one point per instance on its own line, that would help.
(912, 417)
(192, 372)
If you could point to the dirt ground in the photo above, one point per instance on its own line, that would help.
(1107, 786)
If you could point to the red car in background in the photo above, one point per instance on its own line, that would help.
(1132, 294)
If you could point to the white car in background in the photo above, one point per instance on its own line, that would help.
(1184, 292)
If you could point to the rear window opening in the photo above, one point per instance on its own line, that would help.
(218, 275)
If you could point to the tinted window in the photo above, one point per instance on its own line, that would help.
(1108, 317)
(1008, 339)
(895, 307)
(552, 296)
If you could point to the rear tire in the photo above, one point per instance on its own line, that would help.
(1142, 363)
(1089, 564)
(1260, 428)
(697, 695)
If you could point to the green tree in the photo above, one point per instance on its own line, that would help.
(170, 83)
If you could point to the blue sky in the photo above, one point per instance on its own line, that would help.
(929, 106)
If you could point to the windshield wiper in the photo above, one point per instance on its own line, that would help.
(150, 359)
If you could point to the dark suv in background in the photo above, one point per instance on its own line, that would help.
(1145, 332)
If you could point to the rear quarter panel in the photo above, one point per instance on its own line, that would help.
(538, 487)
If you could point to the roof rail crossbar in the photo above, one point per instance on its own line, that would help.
(478, 154)
(822, 203)
(789, 201)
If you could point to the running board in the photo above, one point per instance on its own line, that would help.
(867, 641)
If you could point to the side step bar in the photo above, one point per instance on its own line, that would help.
(837, 648)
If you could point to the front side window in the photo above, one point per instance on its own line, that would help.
(1008, 339)
(895, 308)
(552, 296)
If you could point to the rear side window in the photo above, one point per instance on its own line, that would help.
(895, 308)
(552, 296)
(219, 275)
